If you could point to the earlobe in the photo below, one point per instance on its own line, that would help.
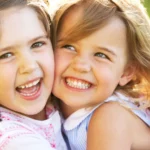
(128, 75)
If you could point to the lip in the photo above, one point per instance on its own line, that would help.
(30, 81)
(79, 79)
(36, 94)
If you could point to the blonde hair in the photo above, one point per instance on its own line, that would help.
(38, 5)
(95, 14)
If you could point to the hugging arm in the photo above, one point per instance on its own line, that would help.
(111, 127)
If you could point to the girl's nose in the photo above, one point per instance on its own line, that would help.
(27, 64)
(81, 64)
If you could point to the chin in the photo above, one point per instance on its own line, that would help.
(34, 110)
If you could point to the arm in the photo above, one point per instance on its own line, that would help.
(110, 128)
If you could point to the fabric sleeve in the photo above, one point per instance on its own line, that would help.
(15, 136)
(127, 102)
(25, 142)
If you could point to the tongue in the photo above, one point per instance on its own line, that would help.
(29, 90)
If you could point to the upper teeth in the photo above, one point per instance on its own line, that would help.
(77, 84)
(29, 85)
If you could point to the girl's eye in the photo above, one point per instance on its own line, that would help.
(6, 55)
(37, 44)
(69, 47)
(101, 55)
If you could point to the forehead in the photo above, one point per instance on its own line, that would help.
(75, 18)
(71, 18)
(19, 23)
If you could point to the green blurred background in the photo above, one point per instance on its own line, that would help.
(147, 5)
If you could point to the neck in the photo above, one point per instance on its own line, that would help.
(40, 116)
(67, 110)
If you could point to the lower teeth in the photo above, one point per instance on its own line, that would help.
(29, 91)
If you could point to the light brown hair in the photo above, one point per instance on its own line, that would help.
(38, 5)
(95, 14)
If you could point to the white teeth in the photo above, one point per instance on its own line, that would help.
(29, 85)
(77, 84)
(27, 94)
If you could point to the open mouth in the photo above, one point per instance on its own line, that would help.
(30, 89)
(77, 84)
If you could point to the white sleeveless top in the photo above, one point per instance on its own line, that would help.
(75, 126)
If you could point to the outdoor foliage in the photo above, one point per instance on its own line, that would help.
(147, 5)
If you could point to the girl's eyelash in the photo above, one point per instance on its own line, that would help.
(102, 55)
(67, 46)
(6, 55)
(70, 47)
(37, 44)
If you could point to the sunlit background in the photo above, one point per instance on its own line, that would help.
(147, 5)
(55, 2)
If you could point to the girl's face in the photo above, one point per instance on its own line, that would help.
(88, 71)
(26, 62)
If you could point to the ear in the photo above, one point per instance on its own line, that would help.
(128, 74)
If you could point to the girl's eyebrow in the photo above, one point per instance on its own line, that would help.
(31, 41)
(60, 40)
(6, 48)
(107, 50)
(39, 37)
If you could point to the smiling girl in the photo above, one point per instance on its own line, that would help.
(28, 120)
(102, 57)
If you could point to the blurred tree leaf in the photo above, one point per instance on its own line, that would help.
(147, 5)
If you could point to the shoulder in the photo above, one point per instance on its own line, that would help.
(113, 115)
(119, 116)
(117, 126)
